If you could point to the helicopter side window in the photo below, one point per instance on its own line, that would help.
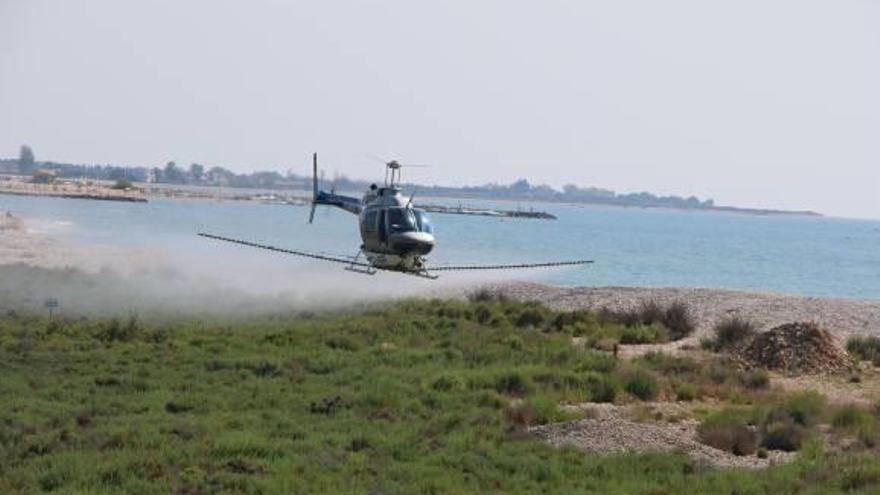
(401, 220)
(424, 222)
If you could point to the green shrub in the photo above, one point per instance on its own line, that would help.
(685, 392)
(448, 382)
(719, 374)
(122, 184)
(642, 334)
(341, 343)
(626, 317)
(571, 318)
(486, 295)
(601, 388)
(729, 430)
(599, 362)
(260, 369)
(851, 416)
(512, 383)
(545, 409)
(178, 407)
(532, 316)
(709, 344)
(857, 421)
(667, 364)
(116, 331)
(733, 332)
(514, 342)
(679, 320)
(757, 379)
(483, 314)
(650, 312)
(641, 384)
(805, 408)
(783, 434)
(865, 348)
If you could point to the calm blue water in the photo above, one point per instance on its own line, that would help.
(812, 256)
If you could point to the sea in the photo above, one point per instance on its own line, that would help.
(814, 256)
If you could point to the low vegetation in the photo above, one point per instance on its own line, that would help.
(731, 334)
(786, 423)
(418, 397)
(864, 348)
(649, 323)
(122, 184)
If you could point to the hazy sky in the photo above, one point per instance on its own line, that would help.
(766, 103)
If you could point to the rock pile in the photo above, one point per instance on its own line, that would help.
(795, 349)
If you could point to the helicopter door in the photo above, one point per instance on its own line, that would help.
(383, 232)
(369, 227)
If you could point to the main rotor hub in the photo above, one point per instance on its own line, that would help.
(392, 174)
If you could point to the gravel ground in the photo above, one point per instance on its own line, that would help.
(616, 435)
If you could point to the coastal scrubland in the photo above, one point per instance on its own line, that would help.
(418, 396)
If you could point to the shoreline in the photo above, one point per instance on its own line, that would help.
(214, 192)
(68, 195)
(69, 189)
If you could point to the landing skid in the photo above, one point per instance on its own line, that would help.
(356, 267)
(423, 274)
(376, 263)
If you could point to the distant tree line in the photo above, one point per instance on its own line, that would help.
(201, 175)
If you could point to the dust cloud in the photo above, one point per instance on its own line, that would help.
(232, 281)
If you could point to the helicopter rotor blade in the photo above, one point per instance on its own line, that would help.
(377, 159)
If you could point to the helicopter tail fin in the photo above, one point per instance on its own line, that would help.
(314, 187)
(319, 197)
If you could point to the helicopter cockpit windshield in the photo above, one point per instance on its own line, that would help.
(401, 220)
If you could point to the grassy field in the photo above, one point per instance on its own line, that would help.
(423, 397)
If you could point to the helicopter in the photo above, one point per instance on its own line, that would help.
(395, 235)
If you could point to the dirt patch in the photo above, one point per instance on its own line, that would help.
(796, 349)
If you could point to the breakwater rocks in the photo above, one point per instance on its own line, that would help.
(487, 212)
(71, 189)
